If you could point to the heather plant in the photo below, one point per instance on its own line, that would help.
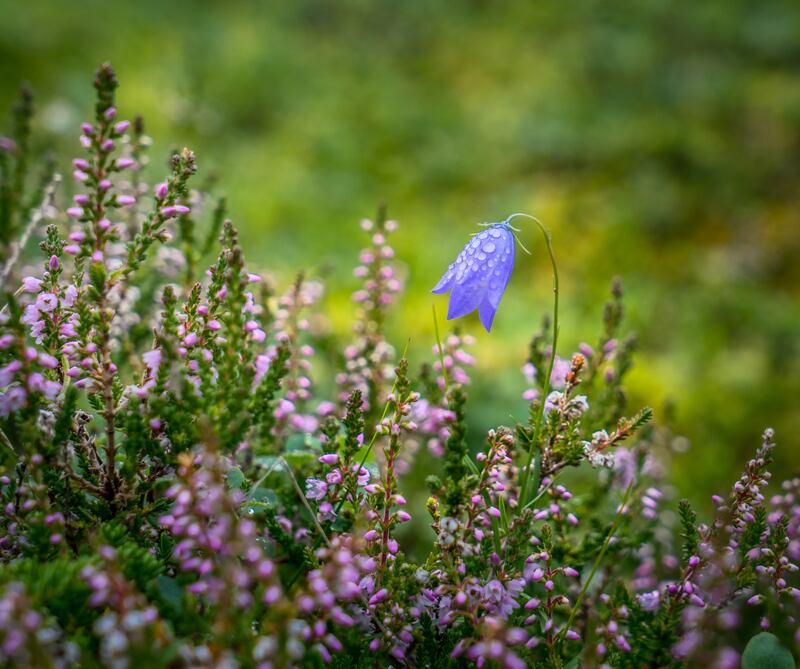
(181, 487)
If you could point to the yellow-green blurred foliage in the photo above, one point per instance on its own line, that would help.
(659, 140)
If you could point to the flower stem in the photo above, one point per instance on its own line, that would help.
(599, 558)
(538, 428)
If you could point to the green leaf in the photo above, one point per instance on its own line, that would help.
(235, 478)
(764, 651)
(170, 591)
(300, 459)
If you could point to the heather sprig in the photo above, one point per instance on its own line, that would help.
(175, 490)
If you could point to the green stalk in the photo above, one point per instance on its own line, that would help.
(539, 426)
(598, 559)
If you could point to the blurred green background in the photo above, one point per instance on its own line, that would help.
(659, 140)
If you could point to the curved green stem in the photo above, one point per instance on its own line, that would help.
(539, 426)
(598, 560)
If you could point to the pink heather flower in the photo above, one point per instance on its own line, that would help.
(46, 302)
(329, 459)
(121, 127)
(48, 361)
(174, 210)
(161, 190)
(126, 200)
(152, 359)
(316, 489)
(8, 372)
(75, 212)
(124, 163)
(30, 284)
(53, 263)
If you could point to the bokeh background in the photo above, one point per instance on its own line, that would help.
(659, 140)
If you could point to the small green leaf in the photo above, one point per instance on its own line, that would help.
(299, 459)
(170, 591)
(764, 651)
(235, 478)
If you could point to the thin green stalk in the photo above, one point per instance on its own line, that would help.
(375, 433)
(303, 499)
(539, 426)
(598, 559)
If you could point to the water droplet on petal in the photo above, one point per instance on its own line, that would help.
(489, 247)
(481, 256)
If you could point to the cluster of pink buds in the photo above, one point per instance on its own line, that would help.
(335, 595)
(289, 327)
(434, 418)
(28, 505)
(27, 639)
(368, 359)
(612, 632)
(129, 625)
(221, 549)
(493, 645)
(342, 482)
(497, 481)
(28, 373)
(541, 571)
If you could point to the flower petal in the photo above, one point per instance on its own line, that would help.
(487, 311)
(446, 281)
(466, 297)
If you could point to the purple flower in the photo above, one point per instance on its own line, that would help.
(480, 274)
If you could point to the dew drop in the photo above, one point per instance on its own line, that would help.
(489, 247)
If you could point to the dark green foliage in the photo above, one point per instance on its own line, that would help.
(689, 532)
(265, 397)
(456, 448)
